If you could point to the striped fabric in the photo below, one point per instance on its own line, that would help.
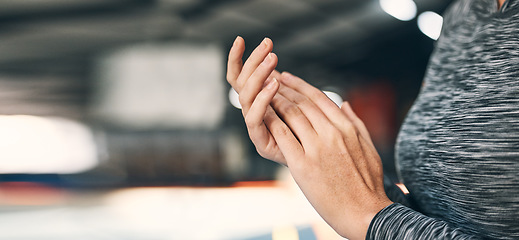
(458, 149)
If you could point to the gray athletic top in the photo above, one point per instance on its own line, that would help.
(458, 149)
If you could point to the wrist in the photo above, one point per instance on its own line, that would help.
(354, 226)
(370, 215)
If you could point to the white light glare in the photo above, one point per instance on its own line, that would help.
(234, 98)
(430, 23)
(403, 10)
(336, 98)
(31, 144)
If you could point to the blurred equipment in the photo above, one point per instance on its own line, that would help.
(180, 157)
(161, 86)
(160, 107)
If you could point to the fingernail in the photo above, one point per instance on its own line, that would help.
(236, 40)
(268, 59)
(265, 42)
(272, 83)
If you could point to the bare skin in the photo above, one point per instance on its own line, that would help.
(327, 149)
(500, 3)
(238, 75)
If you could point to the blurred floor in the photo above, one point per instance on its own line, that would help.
(268, 210)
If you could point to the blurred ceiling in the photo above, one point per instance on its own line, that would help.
(58, 40)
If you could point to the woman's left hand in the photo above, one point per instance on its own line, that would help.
(336, 166)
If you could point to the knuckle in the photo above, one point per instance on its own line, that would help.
(300, 100)
(281, 131)
(355, 118)
(248, 121)
(335, 136)
(314, 153)
(360, 123)
(290, 109)
(316, 93)
(262, 154)
(243, 98)
(230, 77)
(251, 122)
(349, 128)
(238, 86)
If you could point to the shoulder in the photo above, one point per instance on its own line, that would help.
(456, 12)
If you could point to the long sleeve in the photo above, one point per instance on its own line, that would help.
(399, 222)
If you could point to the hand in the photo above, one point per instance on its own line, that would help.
(248, 80)
(328, 150)
(334, 162)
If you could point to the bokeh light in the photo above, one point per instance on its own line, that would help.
(32, 144)
(430, 23)
(403, 10)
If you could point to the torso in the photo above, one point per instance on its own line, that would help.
(458, 150)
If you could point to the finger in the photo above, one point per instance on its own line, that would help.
(275, 74)
(254, 118)
(295, 120)
(327, 106)
(348, 134)
(372, 160)
(258, 132)
(315, 116)
(267, 131)
(285, 139)
(255, 59)
(375, 173)
(255, 82)
(361, 127)
(234, 62)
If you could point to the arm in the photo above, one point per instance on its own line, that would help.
(399, 222)
(394, 221)
(328, 152)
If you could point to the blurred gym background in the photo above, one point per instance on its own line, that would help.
(116, 121)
